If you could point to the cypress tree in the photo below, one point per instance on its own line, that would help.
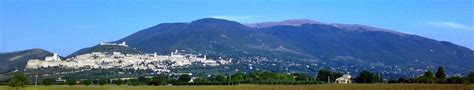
(441, 75)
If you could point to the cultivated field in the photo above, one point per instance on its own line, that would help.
(258, 87)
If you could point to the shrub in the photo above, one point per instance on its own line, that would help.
(48, 81)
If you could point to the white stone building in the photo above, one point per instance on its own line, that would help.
(346, 78)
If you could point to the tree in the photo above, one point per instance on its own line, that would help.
(134, 82)
(71, 82)
(103, 81)
(440, 74)
(466, 81)
(254, 76)
(201, 80)
(15, 83)
(428, 74)
(220, 78)
(377, 78)
(184, 78)
(143, 79)
(426, 78)
(18, 80)
(366, 77)
(454, 80)
(402, 80)
(158, 80)
(470, 77)
(118, 82)
(267, 75)
(237, 77)
(163, 80)
(324, 74)
(87, 82)
(302, 77)
(48, 81)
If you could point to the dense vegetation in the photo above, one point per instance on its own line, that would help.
(438, 77)
(261, 77)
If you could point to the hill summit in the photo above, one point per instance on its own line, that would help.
(304, 45)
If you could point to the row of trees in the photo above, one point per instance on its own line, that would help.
(20, 79)
(324, 76)
(101, 81)
(226, 79)
(363, 77)
(237, 78)
(438, 77)
(368, 77)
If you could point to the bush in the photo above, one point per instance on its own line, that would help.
(118, 82)
(466, 81)
(48, 81)
(366, 77)
(158, 80)
(87, 82)
(425, 79)
(19, 80)
(103, 81)
(71, 82)
(470, 77)
(455, 80)
(184, 78)
(134, 82)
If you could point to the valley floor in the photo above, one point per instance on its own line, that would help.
(259, 87)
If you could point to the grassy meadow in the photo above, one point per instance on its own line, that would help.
(258, 87)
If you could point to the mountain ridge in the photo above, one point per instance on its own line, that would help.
(17, 59)
(344, 47)
(106, 49)
(303, 43)
(299, 22)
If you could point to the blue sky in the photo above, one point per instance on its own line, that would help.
(64, 26)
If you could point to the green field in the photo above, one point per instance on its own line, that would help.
(259, 87)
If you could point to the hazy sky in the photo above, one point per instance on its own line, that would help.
(64, 26)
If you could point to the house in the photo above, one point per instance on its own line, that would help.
(346, 78)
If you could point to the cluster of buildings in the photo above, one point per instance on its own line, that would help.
(107, 60)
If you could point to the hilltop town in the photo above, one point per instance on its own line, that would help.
(109, 60)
